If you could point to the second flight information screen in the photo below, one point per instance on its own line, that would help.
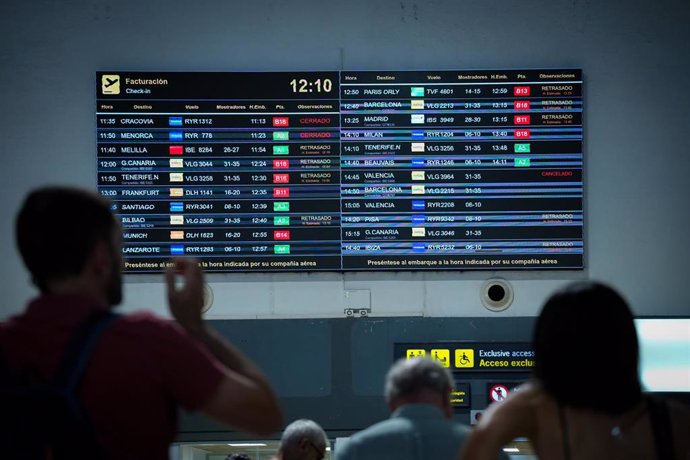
(347, 170)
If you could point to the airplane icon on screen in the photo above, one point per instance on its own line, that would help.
(110, 84)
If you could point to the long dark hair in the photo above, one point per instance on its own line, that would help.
(586, 350)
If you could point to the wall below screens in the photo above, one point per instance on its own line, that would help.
(333, 371)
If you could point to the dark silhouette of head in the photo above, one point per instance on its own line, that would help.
(57, 229)
(586, 350)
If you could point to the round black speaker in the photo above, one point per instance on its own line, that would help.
(496, 294)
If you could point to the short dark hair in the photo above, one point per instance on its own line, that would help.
(58, 227)
(586, 350)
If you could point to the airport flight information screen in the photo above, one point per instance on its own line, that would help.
(344, 170)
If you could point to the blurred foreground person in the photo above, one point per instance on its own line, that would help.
(141, 368)
(585, 400)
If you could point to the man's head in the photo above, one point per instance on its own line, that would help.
(64, 233)
(303, 440)
(418, 381)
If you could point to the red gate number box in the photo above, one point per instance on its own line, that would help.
(521, 105)
(282, 192)
(281, 121)
(281, 164)
(521, 119)
(522, 134)
(281, 178)
(281, 234)
(521, 91)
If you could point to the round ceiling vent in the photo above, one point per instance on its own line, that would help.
(496, 294)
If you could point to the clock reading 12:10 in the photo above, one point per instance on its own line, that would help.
(305, 86)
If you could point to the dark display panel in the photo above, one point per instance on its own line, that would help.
(370, 170)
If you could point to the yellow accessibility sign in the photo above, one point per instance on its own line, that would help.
(442, 356)
(414, 353)
(464, 358)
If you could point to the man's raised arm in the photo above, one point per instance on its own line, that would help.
(244, 399)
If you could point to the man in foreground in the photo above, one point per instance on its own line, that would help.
(143, 367)
(420, 427)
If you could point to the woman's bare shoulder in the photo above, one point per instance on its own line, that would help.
(514, 417)
(517, 413)
(529, 396)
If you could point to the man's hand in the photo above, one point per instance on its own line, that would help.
(244, 398)
(186, 301)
